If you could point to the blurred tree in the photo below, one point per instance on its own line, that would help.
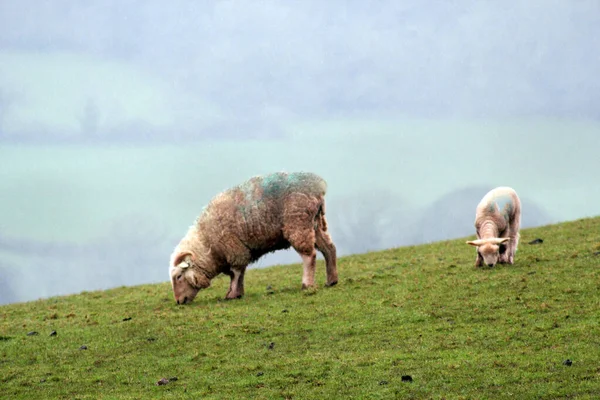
(7, 294)
(368, 221)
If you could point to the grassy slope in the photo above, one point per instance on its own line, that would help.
(423, 311)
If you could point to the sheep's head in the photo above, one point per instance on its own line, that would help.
(186, 278)
(489, 249)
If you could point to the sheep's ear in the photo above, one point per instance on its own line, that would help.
(475, 243)
(180, 260)
(500, 240)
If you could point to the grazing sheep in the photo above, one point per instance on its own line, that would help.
(497, 221)
(240, 225)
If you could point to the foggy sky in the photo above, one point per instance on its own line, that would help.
(222, 65)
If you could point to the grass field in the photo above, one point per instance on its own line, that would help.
(423, 312)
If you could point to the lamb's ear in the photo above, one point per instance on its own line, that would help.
(180, 258)
(475, 243)
(501, 240)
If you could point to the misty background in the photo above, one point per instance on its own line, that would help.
(120, 120)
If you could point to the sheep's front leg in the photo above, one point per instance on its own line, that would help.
(236, 286)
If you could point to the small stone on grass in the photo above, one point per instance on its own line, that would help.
(164, 381)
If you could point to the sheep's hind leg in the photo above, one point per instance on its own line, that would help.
(309, 264)
(302, 239)
(328, 249)
(236, 286)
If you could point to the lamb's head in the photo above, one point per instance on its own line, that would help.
(187, 278)
(489, 249)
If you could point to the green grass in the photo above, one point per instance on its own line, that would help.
(422, 311)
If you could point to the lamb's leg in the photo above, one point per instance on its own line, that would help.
(236, 286)
(508, 257)
(504, 253)
(515, 226)
(309, 263)
(478, 260)
(512, 248)
(328, 249)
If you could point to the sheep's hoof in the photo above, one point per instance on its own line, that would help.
(330, 284)
(306, 287)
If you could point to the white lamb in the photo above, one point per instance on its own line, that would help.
(497, 221)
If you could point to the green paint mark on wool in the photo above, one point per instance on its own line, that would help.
(255, 191)
(260, 188)
(274, 184)
(277, 184)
